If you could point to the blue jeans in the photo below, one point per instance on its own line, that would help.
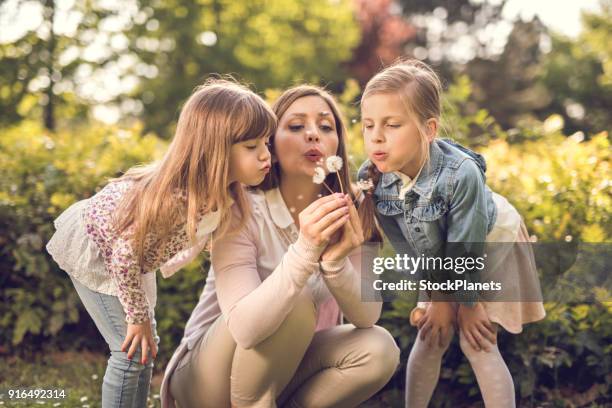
(126, 382)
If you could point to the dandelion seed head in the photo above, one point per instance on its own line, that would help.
(319, 175)
(334, 163)
(365, 185)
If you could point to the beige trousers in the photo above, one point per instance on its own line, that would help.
(295, 367)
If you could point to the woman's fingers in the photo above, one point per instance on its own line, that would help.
(326, 209)
(315, 204)
(355, 221)
(330, 218)
(349, 230)
(329, 231)
(322, 206)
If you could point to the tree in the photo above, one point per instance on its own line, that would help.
(508, 86)
(269, 43)
(452, 31)
(579, 74)
(38, 67)
(384, 33)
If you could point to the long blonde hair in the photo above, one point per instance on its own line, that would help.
(420, 90)
(218, 114)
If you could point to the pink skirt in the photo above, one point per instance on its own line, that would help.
(518, 275)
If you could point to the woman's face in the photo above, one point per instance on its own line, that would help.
(306, 134)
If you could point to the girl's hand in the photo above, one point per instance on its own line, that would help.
(435, 324)
(140, 335)
(476, 327)
(351, 238)
(323, 217)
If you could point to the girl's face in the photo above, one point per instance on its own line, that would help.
(306, 133)
(392, 139)
(249, 161)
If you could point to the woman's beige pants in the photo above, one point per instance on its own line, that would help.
(295, 367)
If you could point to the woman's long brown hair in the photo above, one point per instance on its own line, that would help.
(279, 107)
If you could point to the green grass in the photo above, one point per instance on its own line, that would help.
(78, 373)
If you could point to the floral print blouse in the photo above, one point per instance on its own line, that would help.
(119, 257)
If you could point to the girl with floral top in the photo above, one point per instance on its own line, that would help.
(160, 216)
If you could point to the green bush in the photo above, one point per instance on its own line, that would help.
(43, 173)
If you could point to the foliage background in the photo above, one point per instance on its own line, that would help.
(79, 106)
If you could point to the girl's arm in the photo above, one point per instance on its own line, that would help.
(350, 281)
(254, 310)
(126, 272)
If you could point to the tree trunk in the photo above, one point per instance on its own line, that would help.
(49, 111)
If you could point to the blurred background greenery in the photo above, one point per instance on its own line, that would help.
(89, 88)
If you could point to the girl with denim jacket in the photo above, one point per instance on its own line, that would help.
(430, 198)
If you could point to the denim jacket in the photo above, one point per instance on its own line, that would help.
(449, 203)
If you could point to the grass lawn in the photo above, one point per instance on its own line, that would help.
(78, 373)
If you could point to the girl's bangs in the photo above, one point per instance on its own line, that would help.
(254, 121)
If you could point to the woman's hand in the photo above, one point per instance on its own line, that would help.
(351, 236)
(476, 327)
(435, 324)
(323, 217)
(140, 335)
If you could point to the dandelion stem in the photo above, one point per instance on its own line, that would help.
(327, 187)
(340, 180)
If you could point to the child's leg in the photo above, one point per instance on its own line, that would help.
(126, 382)
(144, 381)
(492, 374)
(423, 371)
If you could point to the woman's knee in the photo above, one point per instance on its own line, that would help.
(300, 322)
(383, 353)
(258, 374)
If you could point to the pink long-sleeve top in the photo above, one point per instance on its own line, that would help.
(258, 273)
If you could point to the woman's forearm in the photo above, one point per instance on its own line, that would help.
(351, 287)
(253, 309)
